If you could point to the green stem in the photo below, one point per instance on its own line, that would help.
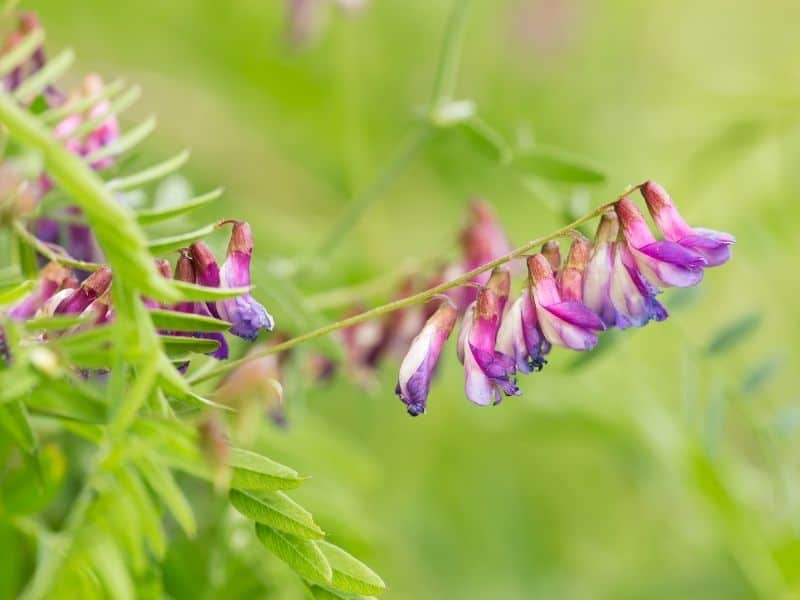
(447, 69)
(48, 252)
(404, 154)
(403, 302)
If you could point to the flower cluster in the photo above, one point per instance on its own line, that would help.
(611, 282)
(59, 291)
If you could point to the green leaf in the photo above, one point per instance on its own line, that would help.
(118, 105)
(278, 511)
(55, 323)
(47, 75)
(486, 140)
(154, 215)
(173, 242)
(252, 471)
(161, 481)
(150, 516)
(153, 173)
(200, 293)
(322, 593)
(760, 374)
(12, 294)
(79, 105)
(69, 401)
(733, 333)
(22, 51)
(303, 556)
(175, 345)
(14, 419)
(171, 320)
(349, 573)
(111, 569)
(557, 165)
(125, 142)
(16, 383)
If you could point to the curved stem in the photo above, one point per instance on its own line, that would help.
(403, 302)
(447, 69)
(48, 252)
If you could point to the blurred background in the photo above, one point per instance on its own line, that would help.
(662, 465)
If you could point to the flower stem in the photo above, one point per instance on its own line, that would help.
(447, 69)
(48, 252)
(418, 298)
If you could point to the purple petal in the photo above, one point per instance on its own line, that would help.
(246, 315)
(576, 314)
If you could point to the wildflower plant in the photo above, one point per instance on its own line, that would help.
(123, 339)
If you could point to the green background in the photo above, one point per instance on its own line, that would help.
(654, 468)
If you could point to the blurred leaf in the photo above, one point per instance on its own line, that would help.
(278, 511)
(322, 593)
(16, 383)
(733, 333)
(125, 142)
(26, 489)
(557, 165)
(161, 481)
(148, 513)
(12, 294)
(55, 323)
(155, 215)
(21, 51)
(252, 471)
(14, 419)
(349, 573)
(61, 399)
(175, 345)
(111, 569)
(303, 556)
(150, 174)
(36, 83)
(485, 140)
(172, 320)
(760, 374)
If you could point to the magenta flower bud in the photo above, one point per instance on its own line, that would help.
(51, 279)
(563, 322)
(205, 264)
(552, 252)
(416, 369)
(246, 314)
(520, 337)
(597, 277)
(486, 370)
(713, 246)
(92, 288)
(664, 263)
(570, 279)
(632, 296)
(184, 271)
(500, 283)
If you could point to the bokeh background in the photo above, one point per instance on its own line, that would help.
(664, 464)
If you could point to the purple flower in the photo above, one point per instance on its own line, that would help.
(564, 322)
(244, 313)
(184, 271)
(713, 246)
(92, 288)
(487, 371)
(52, 278)
(500, 283)
(663, 263)
(519, 335)
(416, 370)
(613, 287)
(570, 278)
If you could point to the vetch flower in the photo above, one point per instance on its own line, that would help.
(570, 278)
(520, 337)
(53, 278)
(92, 288)
(597, 277)
(664, 263)
(552, 252)
(713, 246)
(500, 283)
(487, 371)
(416, 369)
(563, 322)
(632, 296)
(244, 313)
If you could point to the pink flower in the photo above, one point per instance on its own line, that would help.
(416, 370)
(563, 322)
(53, 278)
(520, 336)
(663, 263)
(487, 371)
(713, 246)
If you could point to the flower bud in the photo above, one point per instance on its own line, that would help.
(570, 279)
(552, 252)
(92, 287)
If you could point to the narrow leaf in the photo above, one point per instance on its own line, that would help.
(303, 556)
(118, 105)
(486, 140)
(14, 419)
(47, 75)
(349, 573)
(277, 510)
(557, 165)
(172, 320)
(21, 52)
(733, 333)
(178, 345)
(161, 481)
(12, 294)
(252, 471)
(150, 517)
(79, 105)
(125, 142)
(200, 293)
(153, 173)
(154, 215)
(170, 243)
